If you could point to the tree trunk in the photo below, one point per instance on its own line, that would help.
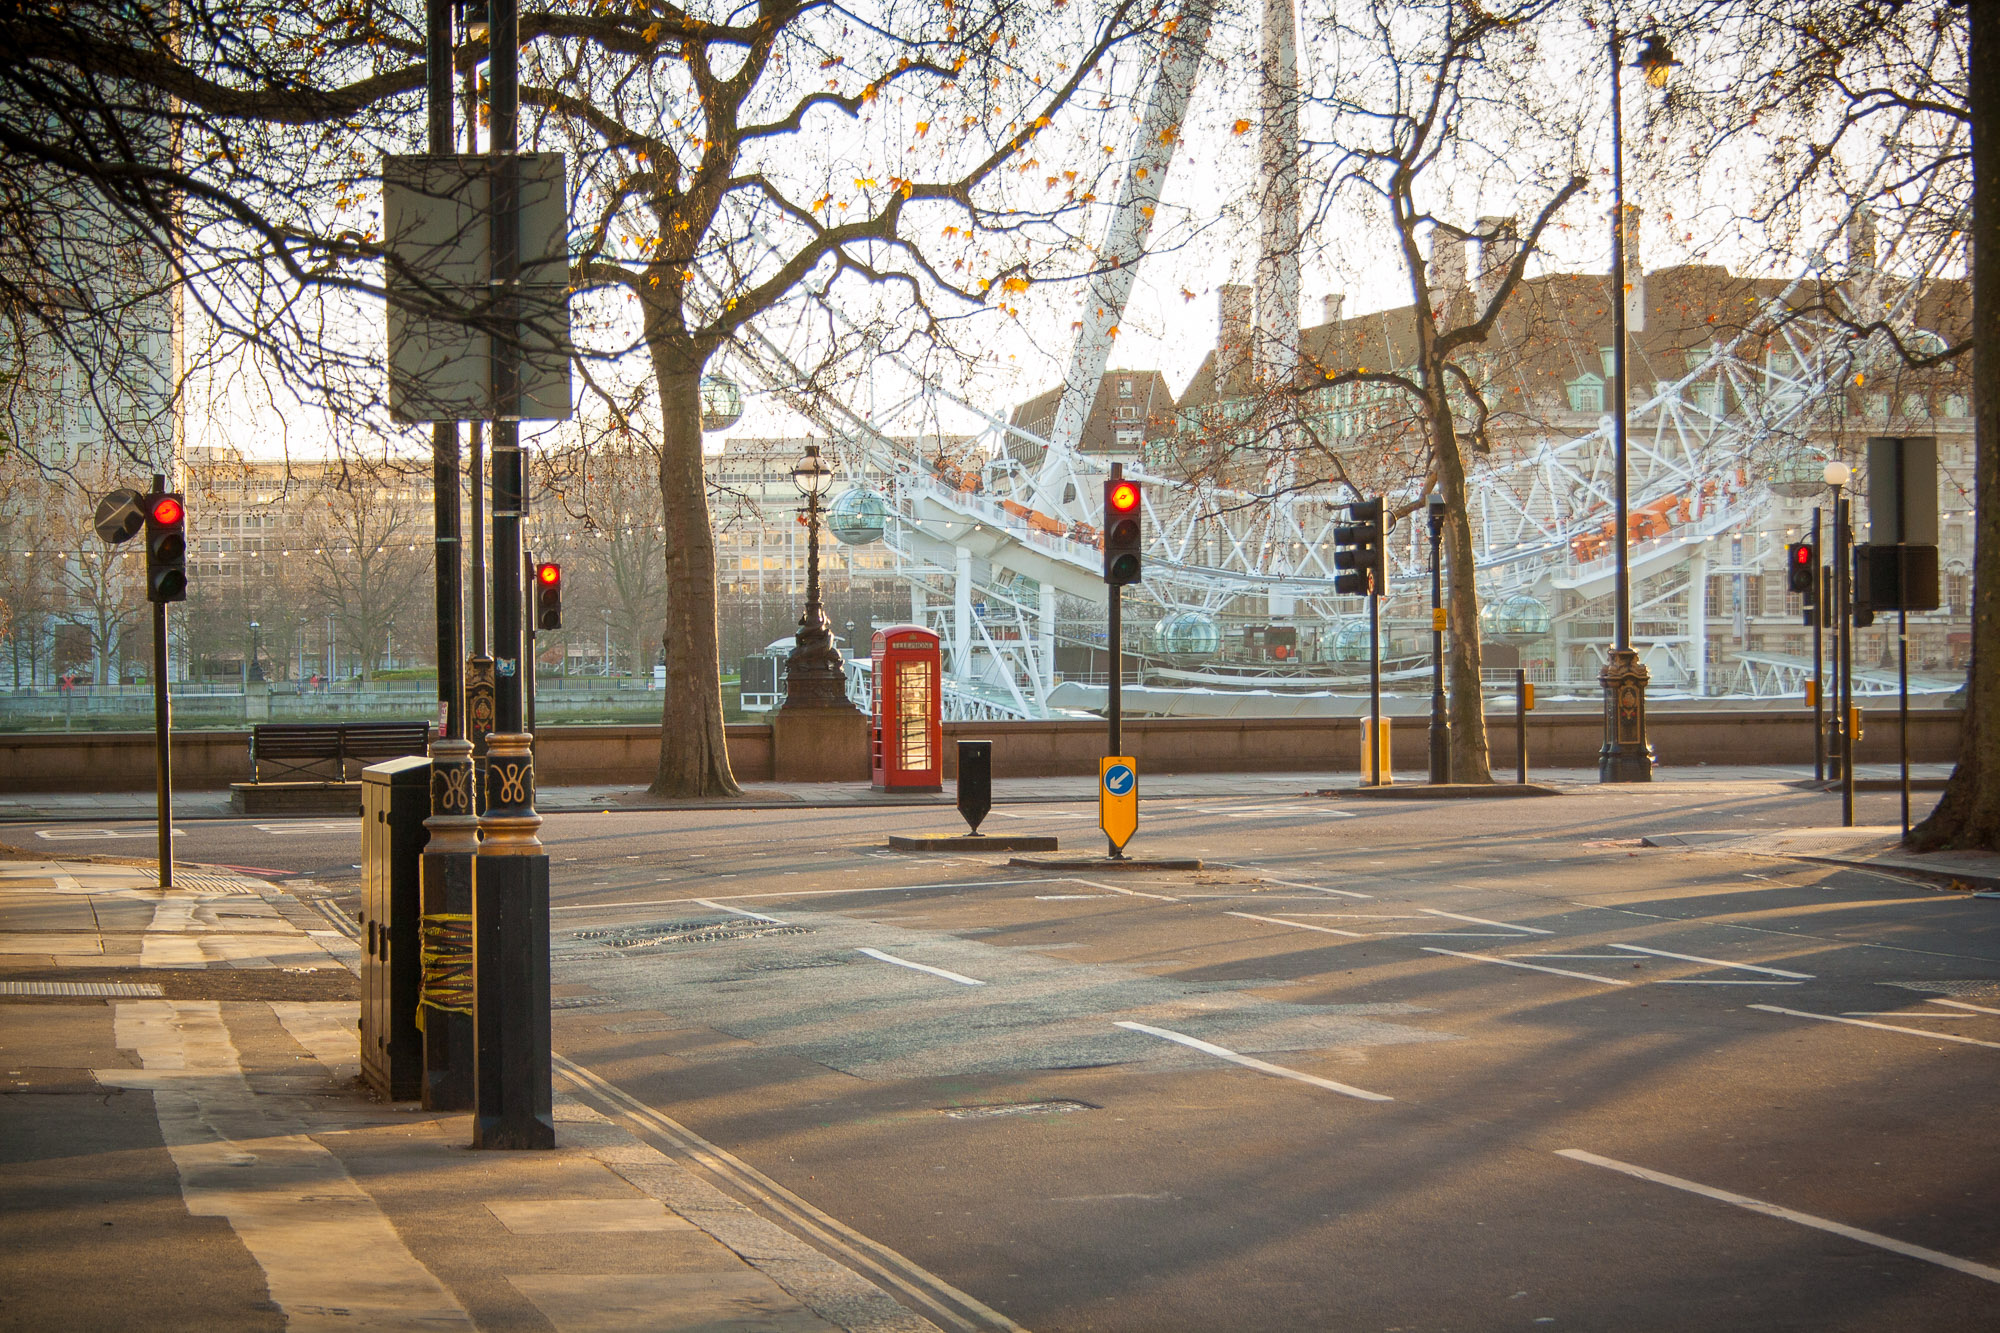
(1467, 706)
(694, 748)
(1968, 815)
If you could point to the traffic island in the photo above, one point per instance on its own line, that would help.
(1444, 791)
(1104, 863)
(970, 842)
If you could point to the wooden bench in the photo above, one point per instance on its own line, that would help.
(293, 747)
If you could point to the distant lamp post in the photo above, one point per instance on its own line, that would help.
(814, 676)
(1440, 723)
(1837, 475)
(1626, 756)
(256, 654)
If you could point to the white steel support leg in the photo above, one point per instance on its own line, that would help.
(1697, 614)
(1047, 670)
(1275, 349)
(961, 617)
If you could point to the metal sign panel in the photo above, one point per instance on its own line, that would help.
(120, 516)
(1118, 798)
(442, 313)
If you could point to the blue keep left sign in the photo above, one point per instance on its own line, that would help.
(1118, 779)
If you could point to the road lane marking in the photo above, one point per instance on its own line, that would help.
(1961, 1004)
(741, 911)
(1129, 893)
(1889, 1243)
(921, 967)
(1515, 962)
(1597, 957)
(72, 834)
(293, 830)
(857, 1251)
(1252, 1062)
(808, 893)
(1901, 1013)
(1317, 888)
(1069, 897)
(1716, 962)
(1885, 1027)
(1482, 921)
(1299, 925)
(1707, 981)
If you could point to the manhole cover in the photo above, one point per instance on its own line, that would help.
(628, 938)
(1059, 1106)
(130, 990)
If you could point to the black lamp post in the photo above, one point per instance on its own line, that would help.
(1440, 723)
(814, 676)
(1626, 755)
(256, 653)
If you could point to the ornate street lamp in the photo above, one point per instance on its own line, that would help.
(256, 653)
(1626, 756)
(814, 676)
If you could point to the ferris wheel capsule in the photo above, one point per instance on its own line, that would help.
(721, 403)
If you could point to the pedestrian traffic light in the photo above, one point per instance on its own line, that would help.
(1359, 552)
(548, 595)
(1801, 569)
(166, 549)
(1121, 532)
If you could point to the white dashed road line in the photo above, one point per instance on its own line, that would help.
(1482, 921)
(1715, 962)
(1252, 1062)
(741, 911)
(1883, 1027)
(1889, 1243)
(1300, 925)
(1960, 1004)
(1515, 962)
(921, 967)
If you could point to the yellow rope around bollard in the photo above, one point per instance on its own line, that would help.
(447, 959)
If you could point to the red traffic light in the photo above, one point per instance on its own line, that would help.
(1802, 555)
(1124, 498)
(548, 573)
(167, 511)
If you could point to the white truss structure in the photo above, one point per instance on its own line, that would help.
(990, 546)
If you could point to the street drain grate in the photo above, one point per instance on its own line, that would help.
(1955, 987)
(1059, 1106)
(130, 990)
(628, 938)
(581, 1001)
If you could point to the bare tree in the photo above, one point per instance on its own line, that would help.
(370, 554)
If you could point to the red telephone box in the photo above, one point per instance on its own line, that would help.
(906, 734)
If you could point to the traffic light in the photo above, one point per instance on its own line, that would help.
(1801, 569)
(1121, 532)
(166, 549)
(1360, 553)
(548, 595)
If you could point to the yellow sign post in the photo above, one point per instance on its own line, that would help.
(1118, 800)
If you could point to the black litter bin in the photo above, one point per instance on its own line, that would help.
(395, 801)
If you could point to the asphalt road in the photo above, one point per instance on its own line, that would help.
(1465, 1065)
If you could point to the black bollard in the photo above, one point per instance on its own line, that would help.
(975, 781)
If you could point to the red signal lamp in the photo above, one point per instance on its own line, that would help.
(549, 573)
(1124, 498)
(167, 511)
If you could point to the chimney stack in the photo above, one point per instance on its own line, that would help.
(1499, 243)
(1330, 305)
(1232, 336)
(1447, 269)
(1635, 272)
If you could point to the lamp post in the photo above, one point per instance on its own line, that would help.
(256, 653)
(1626, 756)
(1837, 476)
(1440, 723)
(814, 676)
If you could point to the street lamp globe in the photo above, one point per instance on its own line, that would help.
(1655, 60)
(811, 475)
(1838, 474)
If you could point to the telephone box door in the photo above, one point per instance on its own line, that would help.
(906, 731)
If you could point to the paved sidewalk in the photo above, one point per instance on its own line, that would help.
(127, 805)
(188, 1146)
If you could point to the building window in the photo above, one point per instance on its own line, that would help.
(1124, 388)
(1954, 405)
(1586, 393)
(1916, 405)
(1128, 413)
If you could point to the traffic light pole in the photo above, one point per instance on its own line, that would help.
(445, 896)
(1375, 764)
(1818, 621)
(513, 1094)
(1843, 609)
(163, 780)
